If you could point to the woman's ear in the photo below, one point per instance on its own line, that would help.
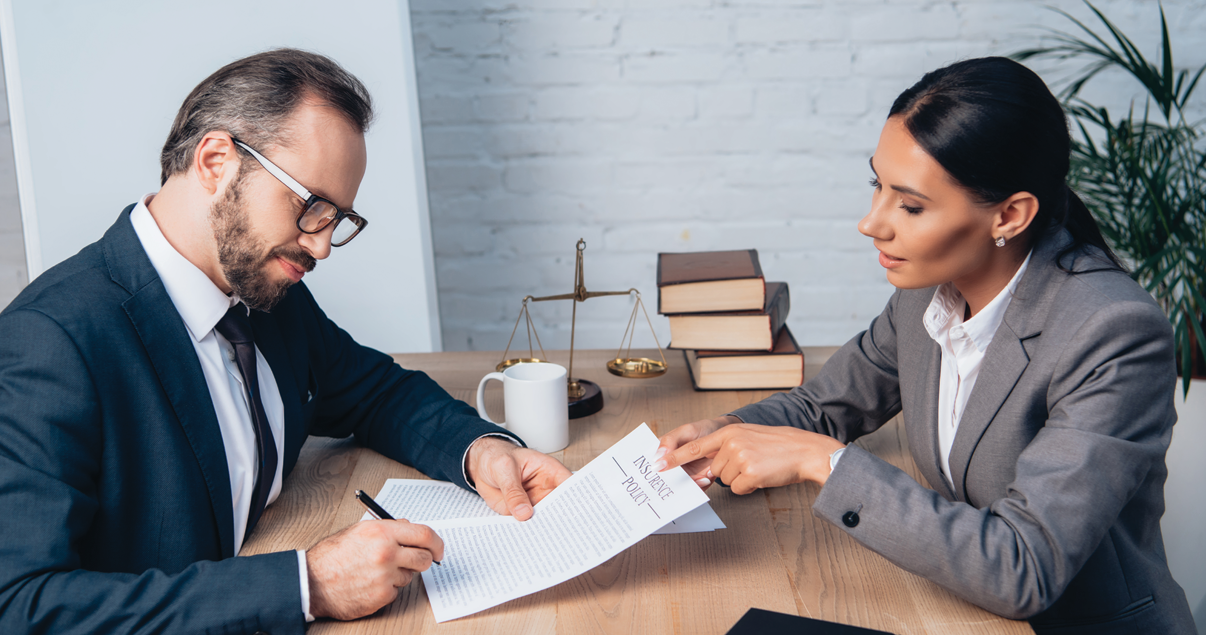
(1014, 215)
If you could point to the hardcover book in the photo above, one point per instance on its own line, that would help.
(734, 330)
(780, 368)
(710, 281)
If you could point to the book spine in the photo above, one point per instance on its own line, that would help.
(757, 264)
(798, 351)
(691, 370)
(659, 283)
(780, 305)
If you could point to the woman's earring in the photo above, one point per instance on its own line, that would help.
(1000, 241)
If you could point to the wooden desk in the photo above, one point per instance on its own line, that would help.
(774, 555)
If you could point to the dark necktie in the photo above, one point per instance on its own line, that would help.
(236, 328)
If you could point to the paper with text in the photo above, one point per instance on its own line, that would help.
(423, 501)
(700, 519)
(608, 506)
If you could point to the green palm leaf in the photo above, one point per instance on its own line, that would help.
(1144, 180)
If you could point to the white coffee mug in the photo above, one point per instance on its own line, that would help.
(534, 404)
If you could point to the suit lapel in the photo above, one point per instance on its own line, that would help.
(923, 433)
(168, 345)
(1003, 364)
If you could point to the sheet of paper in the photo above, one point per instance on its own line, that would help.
(608, 506)
(424, 501)
(420, 501)
(702, 518)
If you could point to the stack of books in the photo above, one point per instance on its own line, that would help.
(728, 321)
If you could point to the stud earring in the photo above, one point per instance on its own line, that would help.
(1000, 241)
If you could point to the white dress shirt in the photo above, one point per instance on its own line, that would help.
(201, 305)
(963, 345)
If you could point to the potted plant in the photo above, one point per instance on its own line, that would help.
(1143, 174)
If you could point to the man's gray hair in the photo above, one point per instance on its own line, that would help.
(253, 98)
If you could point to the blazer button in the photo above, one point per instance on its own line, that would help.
(850, 519)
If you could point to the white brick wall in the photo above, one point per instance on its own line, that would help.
(671, 125)
(684, 125)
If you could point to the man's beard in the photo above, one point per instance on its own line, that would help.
(239, 253)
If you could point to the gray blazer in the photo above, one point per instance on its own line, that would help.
(1058, 463)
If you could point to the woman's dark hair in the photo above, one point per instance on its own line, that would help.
(997, 129)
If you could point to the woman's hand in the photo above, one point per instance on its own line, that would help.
(748, 457)
(685, 434)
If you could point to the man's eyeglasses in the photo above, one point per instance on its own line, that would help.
(318, 212)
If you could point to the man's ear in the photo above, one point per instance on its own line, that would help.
(215, 161)
(1014, 215)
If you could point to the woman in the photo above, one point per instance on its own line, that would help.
(1035, 378)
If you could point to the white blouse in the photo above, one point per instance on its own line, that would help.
(963, 345)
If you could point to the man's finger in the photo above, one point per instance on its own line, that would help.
(510, 485)
(545, 474)
(402, 577)
(414, 559)
(420, 536)
(542, 467)
(518, 504)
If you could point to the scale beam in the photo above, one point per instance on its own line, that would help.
(579, 297)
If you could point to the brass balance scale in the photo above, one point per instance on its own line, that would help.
(585, 398)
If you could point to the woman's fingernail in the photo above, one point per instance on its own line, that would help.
(703, 482)
(710, 475)
(658, 466)
(660, 453)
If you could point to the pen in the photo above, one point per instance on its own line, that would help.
(377, 511)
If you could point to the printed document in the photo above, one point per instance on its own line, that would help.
(423, 501)
(606, 507)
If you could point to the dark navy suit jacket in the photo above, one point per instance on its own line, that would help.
(115, 500)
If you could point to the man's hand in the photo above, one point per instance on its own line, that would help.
(686, 434)
(360, 569)
(748, 457)
(511, 479)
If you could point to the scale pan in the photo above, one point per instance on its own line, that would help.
(636, 367)
(507, 363)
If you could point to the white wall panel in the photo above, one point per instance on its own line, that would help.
(93, 88)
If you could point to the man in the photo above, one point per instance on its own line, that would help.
(156, 388)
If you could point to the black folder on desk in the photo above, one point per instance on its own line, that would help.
(758, 621)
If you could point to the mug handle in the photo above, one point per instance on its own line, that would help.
(481, 397)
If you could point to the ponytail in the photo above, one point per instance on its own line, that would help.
(1078, 220)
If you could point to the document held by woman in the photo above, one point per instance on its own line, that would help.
(606, 507)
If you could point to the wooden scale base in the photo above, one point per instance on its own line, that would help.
(589, 403)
